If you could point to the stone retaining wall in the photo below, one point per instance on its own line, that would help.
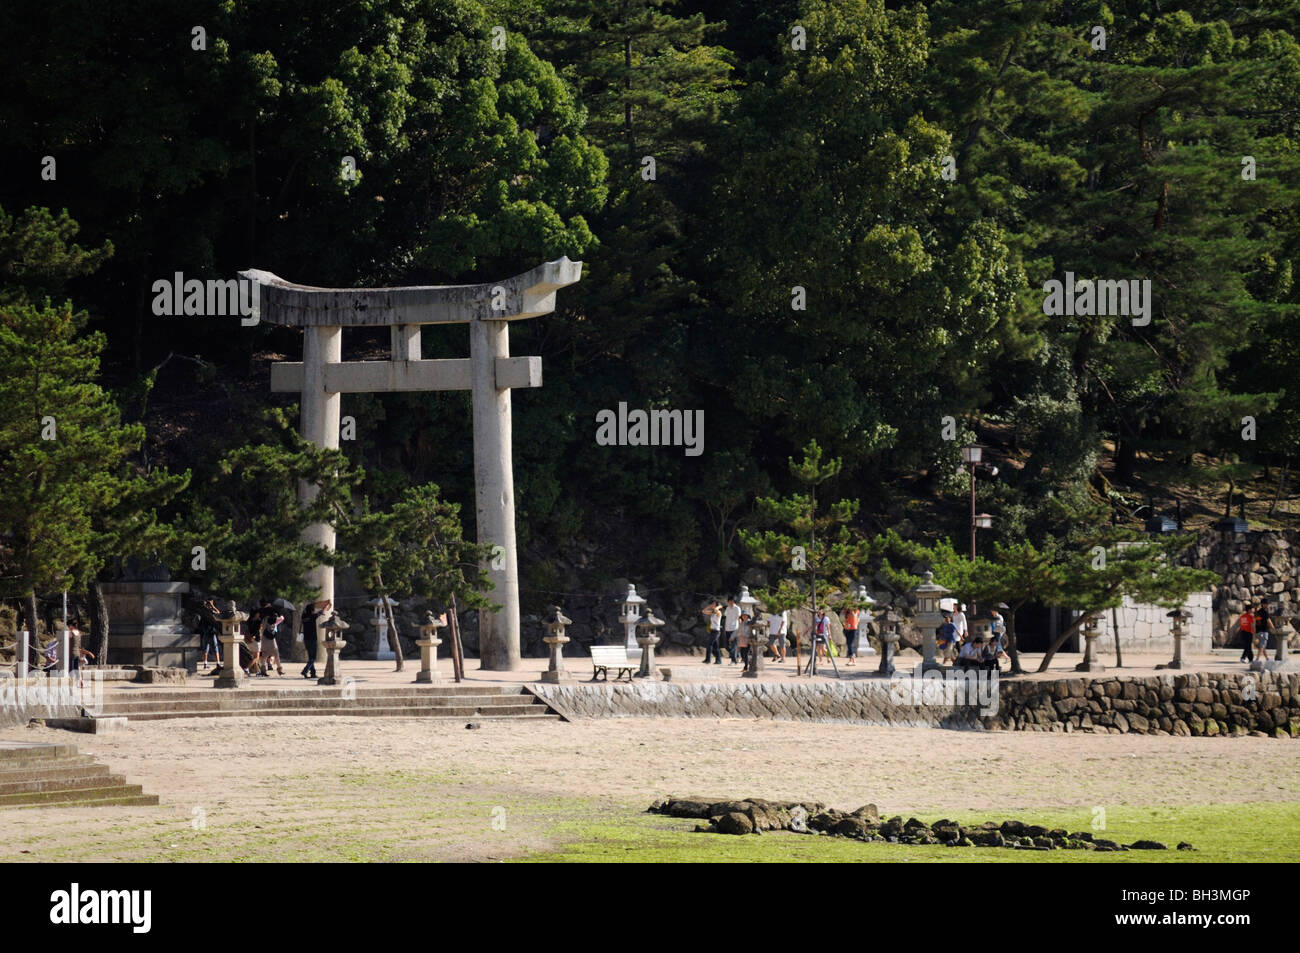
(865, 702)
(1191, 704)
(1197, 703)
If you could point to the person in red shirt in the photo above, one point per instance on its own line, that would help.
(1246, 625)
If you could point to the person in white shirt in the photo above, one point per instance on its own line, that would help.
(713, 612)
(731, 624)
(959, 623)
(778, 623)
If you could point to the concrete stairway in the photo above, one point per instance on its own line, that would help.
(41, 775)
(448, 702)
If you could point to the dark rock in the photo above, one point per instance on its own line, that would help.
(1183, 845)
(1147, 845)
(735, 823)
(687, 807)
(986, 838)
(852, 827)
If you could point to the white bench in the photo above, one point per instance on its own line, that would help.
(605, 657)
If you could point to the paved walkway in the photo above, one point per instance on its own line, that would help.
(685, 669)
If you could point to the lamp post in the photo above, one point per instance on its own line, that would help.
(632, 604)
(1178, 620)
(973, 457)
(928, 617)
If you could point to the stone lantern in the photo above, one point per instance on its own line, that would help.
(1178, 620)
(556, 674)
(632, 604)
(746, 602)
(647, 640)
(928, 617)
(1282, 661)
(1091, 631)
(231, 618)
(334, 643)
(757, 645)
(428, 643)
(383, 651)
(864, 632)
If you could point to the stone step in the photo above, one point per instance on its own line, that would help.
(237, 703)
(252, 689)
(93, 782)
(435, 714)
(112, 793)
(12, 752)
(87, 770)
(127, 800)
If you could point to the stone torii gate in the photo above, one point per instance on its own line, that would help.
(489, 373)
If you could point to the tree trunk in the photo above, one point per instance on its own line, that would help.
(1281, 485)
(98, 623)
(393, 641)
(33, 619)
(1126, 461)
(1114, 626)
(1012, 651)
(457, 652)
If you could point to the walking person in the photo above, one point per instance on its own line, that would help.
(311, 615)
(269, 649)
(851, 617)
(946, 638)
(778, 623)
(208, 641)
(1262, 625)
(731, 624)
(1246, 628)
(742, 639)
(821, 634)
(76, 652)
(713, 612)
(959, 623)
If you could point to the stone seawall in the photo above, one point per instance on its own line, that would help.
(865, 702)
(1192, 704)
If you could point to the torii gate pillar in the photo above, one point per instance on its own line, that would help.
(489, 374)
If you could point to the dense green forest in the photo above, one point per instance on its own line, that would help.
(829, 220)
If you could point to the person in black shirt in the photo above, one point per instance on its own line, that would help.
(312, 614)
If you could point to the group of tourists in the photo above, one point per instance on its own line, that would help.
(731, 629)
(971, 651)
(260, 652)
(1255, 625)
